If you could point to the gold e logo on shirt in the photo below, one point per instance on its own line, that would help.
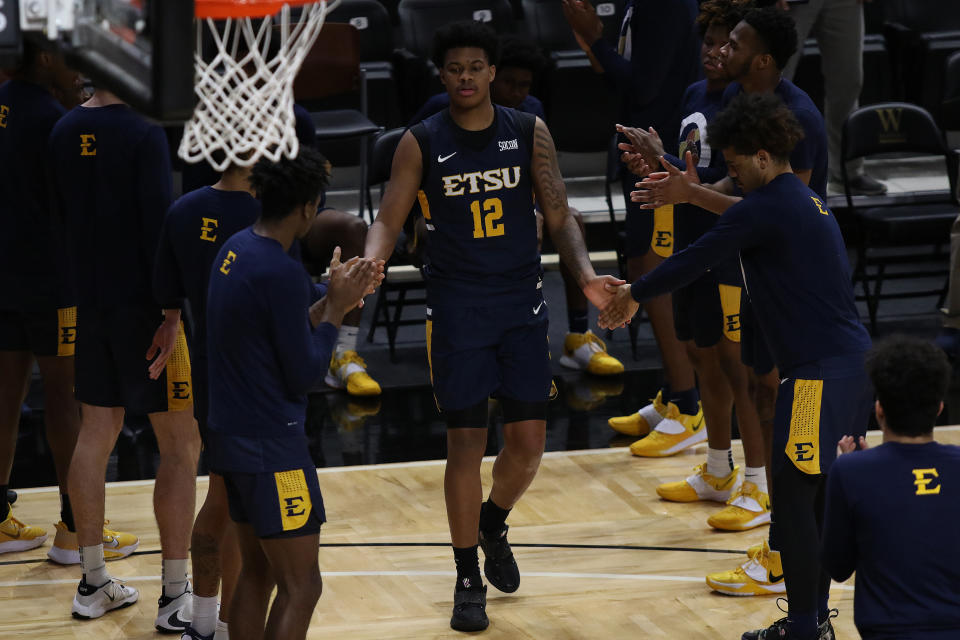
(819, 204)
(208, 226)
(4, 112)
(225, 267)
(88, 144)
(923, 478)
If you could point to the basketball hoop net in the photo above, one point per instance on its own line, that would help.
(245, 89)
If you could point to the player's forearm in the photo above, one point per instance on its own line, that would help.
(381, 240)
(711, 199)
(568, 239)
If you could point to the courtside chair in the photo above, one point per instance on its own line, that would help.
(950, 108)
(331, 70)
(551, 31)
(403, 284)
(420, 19)
(898, 238)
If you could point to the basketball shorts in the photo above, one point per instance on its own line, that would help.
(112, 369)
(282, 504)
(817, 404)
(47, 332)
(646, 230)
(706, 310)
(479, 352)
(754, 351)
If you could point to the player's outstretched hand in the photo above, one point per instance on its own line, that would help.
(620, 310)
(582, 18)
(646, 143)
(350, 281)
(666, 187)
(164, 341)
(600, 290)
(847, 444)
(634, 161)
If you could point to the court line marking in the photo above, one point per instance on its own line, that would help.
(401, 465)
(644, 577)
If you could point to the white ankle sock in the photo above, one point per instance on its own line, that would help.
(205, 611)
(223, 631)
(758, 476)
(719, 462)
(174, 577)
(92, 565)
(347, 339)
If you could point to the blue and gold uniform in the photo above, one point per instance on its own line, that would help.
(486, 317)
(264, 358)
(892, 516)
(709, 307)
(37, 311)
(113, 182)
(796, 270)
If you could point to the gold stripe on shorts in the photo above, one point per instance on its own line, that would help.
(179, 379)
(294, 496)
(803, 446)
(730, 305)
(662, 239)
(66, 331)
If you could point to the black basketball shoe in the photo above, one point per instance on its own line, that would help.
(500, 566)
(470, 609)
(11, 496)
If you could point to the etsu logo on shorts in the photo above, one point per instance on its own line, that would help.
(68, 335)
(664, 238)
(804, 451)
(507, 145)
(4, 112)
(732, 321)
(180, 390)
(923, 478)
(292, 505)
(88, 144)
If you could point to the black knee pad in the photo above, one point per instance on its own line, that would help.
(474, 417)
(518, 410)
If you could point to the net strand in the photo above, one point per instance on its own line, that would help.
(245, 105)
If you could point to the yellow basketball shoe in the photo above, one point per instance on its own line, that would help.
(587, 352)
(349, 371)
(642, 422)
(747, 508)
(760, 575)
(701, 486)
(676, 432)
(116, 545)
(16, 536)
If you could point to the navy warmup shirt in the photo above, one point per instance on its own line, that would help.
(264, 356)
(795, 269)
(810, 154)
(893, 516)
(34, 270)
(112, 175)
(441, 101)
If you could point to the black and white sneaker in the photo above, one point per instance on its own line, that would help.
(174, 614)
(470, 609)
(11, 496)
(825, 630)
(500, 567)
(191, 634)
(92, 602)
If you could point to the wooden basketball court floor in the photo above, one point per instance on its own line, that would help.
(601, 556)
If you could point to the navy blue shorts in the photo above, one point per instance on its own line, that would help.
(112, 369)
(754, 351)
(707, 310)
(284, 504)
(817, 404)
(646, 229)
(479, 352)
(47, 332)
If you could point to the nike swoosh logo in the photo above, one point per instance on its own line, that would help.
(536, 309)
(774, 578)
(785, 380)
(113, 543)
(442, 159)
(175, 621)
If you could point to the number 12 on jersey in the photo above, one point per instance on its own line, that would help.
(487, 226)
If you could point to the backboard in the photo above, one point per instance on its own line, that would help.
(141, 50)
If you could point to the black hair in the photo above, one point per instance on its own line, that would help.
(291, 182)
(467, 33)
(521, 53)
(724, 13)
(756, 121)
(910, 377)
(776, 30)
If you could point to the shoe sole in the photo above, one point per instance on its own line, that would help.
(88, 614)
(759, 521)
(692, 441)
(334, 382)
(467, 628)
(746, 590)
(72, 556)
(22, 545)
(571, 363)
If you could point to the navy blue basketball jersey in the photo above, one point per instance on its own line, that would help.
(476, 195)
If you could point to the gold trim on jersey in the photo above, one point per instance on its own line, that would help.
(662, 239)
(294, 497)
(179, 378)
(66, 331)
(424, 204)
(803, 445)
(730, 306)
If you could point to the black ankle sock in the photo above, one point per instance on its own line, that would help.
(577, 320)
(66, 512)
(468, 567)
(4, 505)
(686, 400)
(492, 517)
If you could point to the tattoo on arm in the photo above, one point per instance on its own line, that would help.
(552, 196)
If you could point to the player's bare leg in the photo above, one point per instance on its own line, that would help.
(518, 461)
(99, 428)
(715, 393)
(293, 562)
(215, 556)
(254, 586)
(62, 412)
(16, 375)
(462, 488)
